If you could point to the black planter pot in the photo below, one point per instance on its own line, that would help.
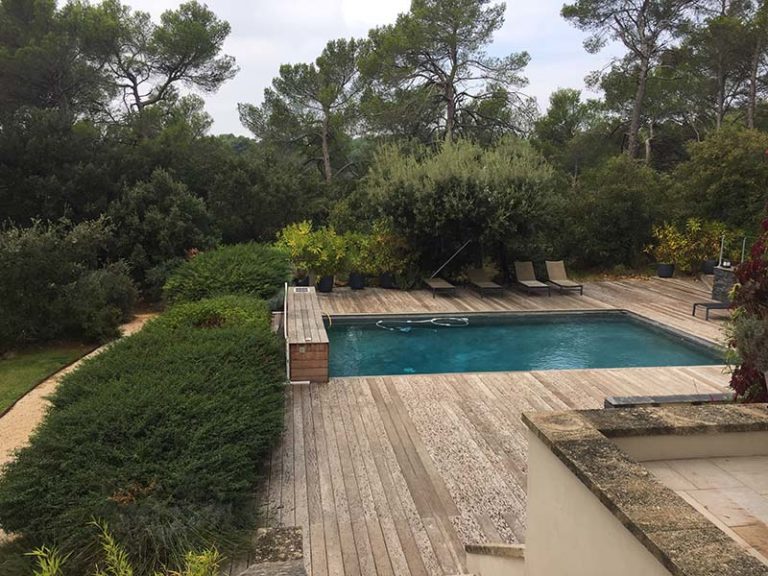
(387, 280)
(325, 284)
(708, 267)
(665, 270)
(301, 281)
(356, 281)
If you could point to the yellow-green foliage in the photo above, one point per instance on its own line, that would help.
(115, 560)
(321, 250)
(669, 244)
(688, 245)
(295, 240)
(49, 561)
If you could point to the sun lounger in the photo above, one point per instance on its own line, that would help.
(710, 306)
(481, 280)
(526, 278)
(558, 277)
(439, 286)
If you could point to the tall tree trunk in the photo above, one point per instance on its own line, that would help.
(752, 99)
(450, 115)
(637, 108)
(648, 141)
(720, 112)
(326, 153)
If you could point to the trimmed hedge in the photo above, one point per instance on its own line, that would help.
(162, 436)
(216, 312)
(247, 269)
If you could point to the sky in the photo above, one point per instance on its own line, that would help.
(268, 33)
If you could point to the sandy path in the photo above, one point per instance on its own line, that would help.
(17, 425)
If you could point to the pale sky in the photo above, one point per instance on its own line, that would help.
(268, 33)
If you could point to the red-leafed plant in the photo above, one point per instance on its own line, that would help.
(748, 327)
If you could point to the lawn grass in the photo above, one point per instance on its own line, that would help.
(25, 369)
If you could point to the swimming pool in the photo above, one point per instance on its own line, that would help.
(390, 345)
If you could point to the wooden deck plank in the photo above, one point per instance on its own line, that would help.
(351, 489)
(383, 566)
(331, 537)
(318, 562)
(288, 502)
(404, 547)
(346, 531)
(301, 501)
(393, 475)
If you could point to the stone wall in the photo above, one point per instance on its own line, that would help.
(725, 278)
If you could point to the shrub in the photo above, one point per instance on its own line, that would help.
(748, 328)
(669, 244)
(216, 313)
(53, 284)
(612, 211)
(162, 436)
(322, 250)
(439, 200)
(100, 301)
(296, 239)
(690, 245)
(157, 221)
(726, 177)
(246, 269)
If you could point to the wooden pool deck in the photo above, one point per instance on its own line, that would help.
(393, 475)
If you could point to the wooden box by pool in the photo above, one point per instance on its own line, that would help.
(309, 362)
(306, 337)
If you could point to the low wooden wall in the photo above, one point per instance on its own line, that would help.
(309, 362)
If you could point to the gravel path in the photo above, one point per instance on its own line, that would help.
(17, 425)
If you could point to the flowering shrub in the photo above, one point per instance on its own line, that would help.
(749, 325)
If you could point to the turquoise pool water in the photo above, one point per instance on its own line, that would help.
(488, 344)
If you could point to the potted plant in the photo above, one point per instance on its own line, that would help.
(360, 258)
(296, 239)
(388, 252)
(667, 248)
(711, 236)
(327, 256)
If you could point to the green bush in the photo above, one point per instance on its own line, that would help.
(726, 178)
(216, 313)
(155, 222)
(612, 211)
(53, 284)
(247, 269)
(437, 200)
(162, 437)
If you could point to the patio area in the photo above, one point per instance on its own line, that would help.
(394, 475)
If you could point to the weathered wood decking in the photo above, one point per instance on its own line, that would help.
(305, 335)
(393, 475)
